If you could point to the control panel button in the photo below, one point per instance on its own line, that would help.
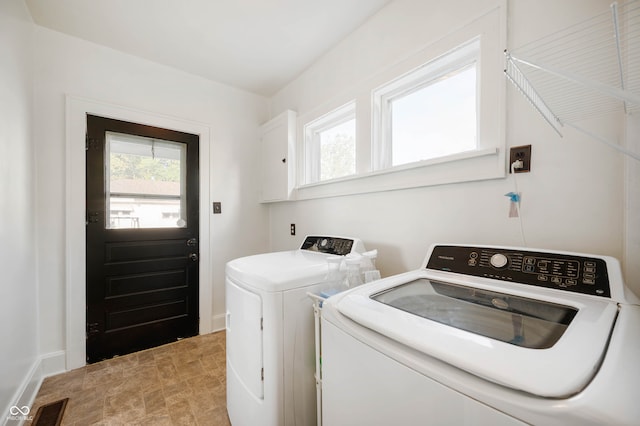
(499, 260)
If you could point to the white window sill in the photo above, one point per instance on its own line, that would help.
(481, 164)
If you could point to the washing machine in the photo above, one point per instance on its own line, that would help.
(270, 332)
(485, 335)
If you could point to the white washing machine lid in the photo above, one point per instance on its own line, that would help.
(532, 340)
(279, 271)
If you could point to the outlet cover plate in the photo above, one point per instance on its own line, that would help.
(520, 153)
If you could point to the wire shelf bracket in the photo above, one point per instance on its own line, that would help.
(588, 69)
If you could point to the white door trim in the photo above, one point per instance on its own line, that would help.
(76, 123)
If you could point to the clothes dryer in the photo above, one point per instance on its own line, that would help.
(485, 335)
(270, 332)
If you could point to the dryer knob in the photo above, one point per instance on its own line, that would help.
(499, 260)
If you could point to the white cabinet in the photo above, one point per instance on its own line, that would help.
(278, 157)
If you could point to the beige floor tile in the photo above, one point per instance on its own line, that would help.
(156, 419)
(154, 401)
(181, 414)
(182, 383)
(215, 417)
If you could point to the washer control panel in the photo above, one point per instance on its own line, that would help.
(574, 273)
(328, 245)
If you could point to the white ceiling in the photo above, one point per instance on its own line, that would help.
(256, 45)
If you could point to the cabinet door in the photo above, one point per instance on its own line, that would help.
(277, 158)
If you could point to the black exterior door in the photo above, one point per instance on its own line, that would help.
(142, 237)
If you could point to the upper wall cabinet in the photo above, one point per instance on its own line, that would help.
(278, 145)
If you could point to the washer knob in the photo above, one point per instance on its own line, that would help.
(499, 260)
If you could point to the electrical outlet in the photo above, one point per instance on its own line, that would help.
(293, 229)
(522, 153)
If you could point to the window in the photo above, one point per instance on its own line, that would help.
(146, 182)
(330, 145)
(430, 112)
(431, 117)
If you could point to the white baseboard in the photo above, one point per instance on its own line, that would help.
(24, 397)
(218, 322)
(53, 363)
(46, 365)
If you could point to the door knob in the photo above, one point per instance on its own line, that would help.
(193, 256)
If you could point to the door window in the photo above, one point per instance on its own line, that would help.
(145, 182)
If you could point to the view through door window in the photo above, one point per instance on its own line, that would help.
(146, 182)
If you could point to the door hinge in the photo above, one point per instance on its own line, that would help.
(90, 143)
(262, 374)
(92, 217)
(261, 323)
(93, 328)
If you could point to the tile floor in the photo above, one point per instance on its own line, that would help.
(182, 383)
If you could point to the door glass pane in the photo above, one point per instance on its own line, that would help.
(146, 182)
(512, 319)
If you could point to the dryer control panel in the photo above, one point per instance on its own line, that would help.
(574, 273)
(328, 245)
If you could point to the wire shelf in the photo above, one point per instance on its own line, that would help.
(586, 70)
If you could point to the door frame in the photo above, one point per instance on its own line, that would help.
(75, 231)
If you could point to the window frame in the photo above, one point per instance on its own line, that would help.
(112, 137)
(487, 162)
(455, 60)
(311, 142)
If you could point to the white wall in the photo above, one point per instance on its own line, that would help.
(572, 199)
(69, 66)
(18, 257)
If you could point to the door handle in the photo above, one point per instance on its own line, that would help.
(193, 257)
(192, 242)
